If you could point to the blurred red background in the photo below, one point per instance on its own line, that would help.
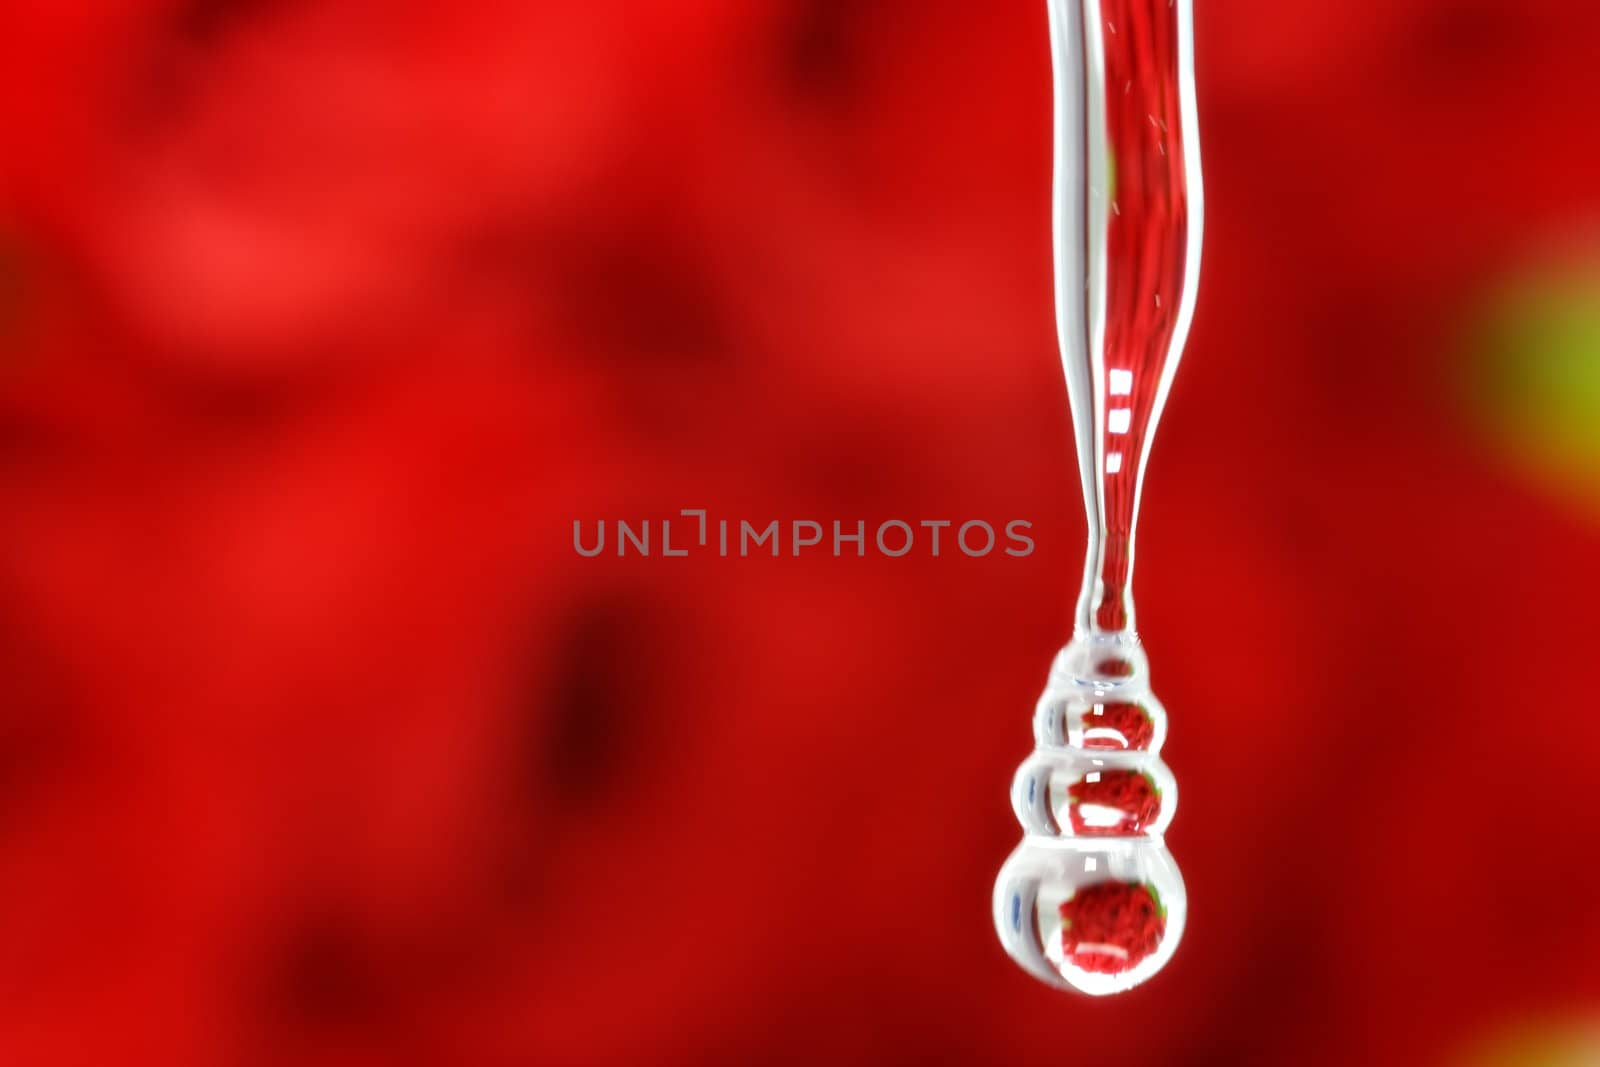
(321, 323)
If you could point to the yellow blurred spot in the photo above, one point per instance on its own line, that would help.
(1537, 386)
(1549, 1045)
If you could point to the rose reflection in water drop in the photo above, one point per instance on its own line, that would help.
(1111, 927)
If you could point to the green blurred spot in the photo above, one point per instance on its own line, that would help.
(1537, 386)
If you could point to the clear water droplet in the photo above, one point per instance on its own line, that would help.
(1091, 900)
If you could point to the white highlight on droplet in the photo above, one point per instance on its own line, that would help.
(1101, 816)
(1095, 948)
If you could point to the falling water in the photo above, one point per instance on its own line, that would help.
(1091, 899)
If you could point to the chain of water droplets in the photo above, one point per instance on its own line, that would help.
(1091, 899)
